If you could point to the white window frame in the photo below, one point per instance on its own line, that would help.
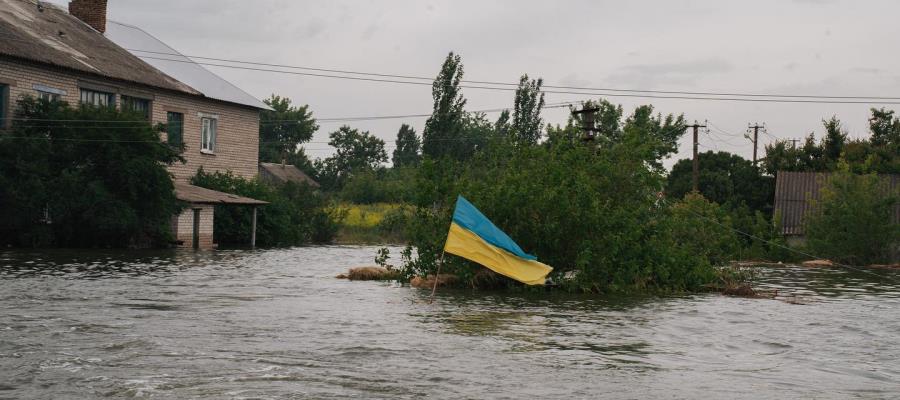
(48, 93)
(209, 127)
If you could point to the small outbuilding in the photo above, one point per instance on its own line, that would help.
(199, 216)
(280, 174)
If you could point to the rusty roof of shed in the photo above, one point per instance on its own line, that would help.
(285, 173)
(199, 195)
(794, 192)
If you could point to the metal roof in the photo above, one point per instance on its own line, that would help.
(795, 190)
(285, 173)
(182, 68)
(49, 35)
(199, 195)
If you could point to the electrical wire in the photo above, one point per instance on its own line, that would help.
(342, 71)
(511, 89)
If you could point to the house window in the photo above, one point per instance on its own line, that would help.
(136, 105)
(48, 93)
(48, 96)
(97, 98)
(175, 128)
(208, 135)
(4, 105)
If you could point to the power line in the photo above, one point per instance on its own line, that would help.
(399, 76)
(608, 92)
(508, 89)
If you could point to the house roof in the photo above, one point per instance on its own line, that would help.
(199, 195)
(286, 173)
(168, 60)
(794, 192)
(54, 37)
(50, 35)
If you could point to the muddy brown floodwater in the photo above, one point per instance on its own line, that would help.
(276, 324)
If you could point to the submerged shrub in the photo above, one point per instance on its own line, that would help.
(853, 221)
(596, 213)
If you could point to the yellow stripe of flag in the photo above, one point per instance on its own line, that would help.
(464, 243)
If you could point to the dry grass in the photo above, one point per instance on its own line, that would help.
(370, 274)
(428, 281)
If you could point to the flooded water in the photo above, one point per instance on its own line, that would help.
(276, 324)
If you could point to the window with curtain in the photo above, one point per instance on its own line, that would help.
(208, 135)
(97, 98)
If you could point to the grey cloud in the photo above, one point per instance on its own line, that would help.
(683, 73)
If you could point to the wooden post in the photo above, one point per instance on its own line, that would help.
(253, 229)
(436, 277)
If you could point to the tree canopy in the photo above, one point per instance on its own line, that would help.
(283, 130)
(70, 182)
(529, 102)
(355, 152)
(726, 179)
(408, 145)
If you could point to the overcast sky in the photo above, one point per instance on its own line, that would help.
(818, 47)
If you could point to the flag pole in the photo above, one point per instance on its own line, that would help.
(436, 277)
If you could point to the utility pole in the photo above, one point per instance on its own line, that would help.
(794, 143)
(755, 139)
(587, 122)
(696, 127)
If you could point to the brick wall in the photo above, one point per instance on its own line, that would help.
(92, 12)
(183, 226)
(237, 141)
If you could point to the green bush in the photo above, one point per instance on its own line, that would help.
(67, 180)
(295, 215)
(597, 214)
(378, 186)
(853, 221)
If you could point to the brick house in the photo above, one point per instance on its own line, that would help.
(80, 57)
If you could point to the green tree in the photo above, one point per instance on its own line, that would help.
(885, 127)
(502, 126)
(355, 152)
(835, 138)
(282, 131)
(726, 179)
(66, 180)
(295, 214)
(593, 212)
(529, 102)
(408, 146)
(444, 134)
(853, 220)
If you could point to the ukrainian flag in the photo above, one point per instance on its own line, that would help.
(474, 237)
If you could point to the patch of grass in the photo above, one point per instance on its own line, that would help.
(379, 223)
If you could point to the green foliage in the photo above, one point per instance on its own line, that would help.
(885, 128)
(527, 121)
(283, 130)
(879, 154)
(702, 227)
(67, 181)
(295, 214)
(726, 179)
(355, 152)
(853, 221)
(445, 133)
(408, 145)
(596, 213)
(378, 186)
